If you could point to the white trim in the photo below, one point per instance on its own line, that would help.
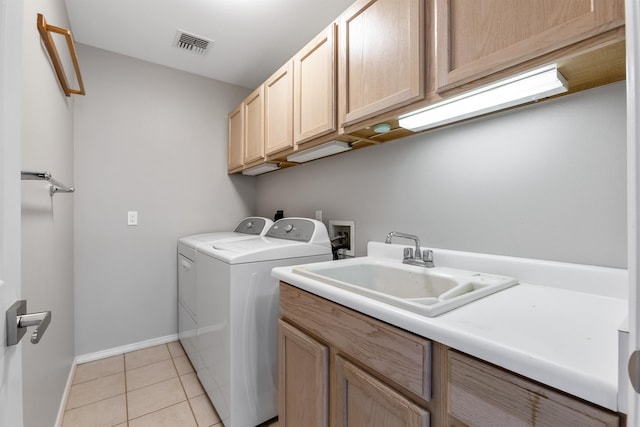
(65, 395)
(102, 354)
(632, 30)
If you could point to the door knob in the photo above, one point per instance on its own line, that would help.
(18, 321)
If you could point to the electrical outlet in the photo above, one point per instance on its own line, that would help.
(132, 218)
(336, 227)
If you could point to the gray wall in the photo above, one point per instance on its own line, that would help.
(153, 140)
(47, 223)
(545, 181)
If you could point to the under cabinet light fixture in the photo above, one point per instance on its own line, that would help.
(260, 169)
(521, 89)
(324, 150)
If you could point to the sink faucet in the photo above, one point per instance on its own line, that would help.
(424, 259)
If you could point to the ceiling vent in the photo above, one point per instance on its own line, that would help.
(192, 42)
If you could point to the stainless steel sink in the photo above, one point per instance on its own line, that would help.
(426, 291)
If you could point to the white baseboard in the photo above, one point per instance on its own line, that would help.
(102, 355)
(124, 349)
(65, 395)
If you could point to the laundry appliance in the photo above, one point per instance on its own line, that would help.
(187, 316)
(238, 312)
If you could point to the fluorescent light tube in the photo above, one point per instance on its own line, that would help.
(333, 147)
(260, 169)
(521, 89)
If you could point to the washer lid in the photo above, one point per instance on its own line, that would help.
(262, 249)
(248, 228)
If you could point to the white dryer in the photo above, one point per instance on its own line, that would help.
(238, 316)
(187, 315)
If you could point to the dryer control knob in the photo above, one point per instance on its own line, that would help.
(288, 228)
(249, 224)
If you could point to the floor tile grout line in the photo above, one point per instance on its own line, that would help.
(193, 414)
(126, 395)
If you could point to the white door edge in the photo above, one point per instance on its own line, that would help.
(632, 13)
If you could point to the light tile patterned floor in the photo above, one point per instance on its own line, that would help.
(154, 387)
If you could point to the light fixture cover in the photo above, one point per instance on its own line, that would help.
(521, 89)
(333, 147)
(260, 169)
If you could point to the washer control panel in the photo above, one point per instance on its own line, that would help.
(298, 229)
(253, 225)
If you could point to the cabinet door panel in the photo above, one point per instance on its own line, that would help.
(314, 89)
(362, 400)
(254, 126)
(278, 110)
(236, 139)
(381, 56)
(303, 379)
(476, 39)
(481, 395)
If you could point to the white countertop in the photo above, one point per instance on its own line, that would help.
(564, 338)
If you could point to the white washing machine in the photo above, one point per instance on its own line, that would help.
(187, 315)
(238, 313)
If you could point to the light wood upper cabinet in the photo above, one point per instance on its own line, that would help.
(253, 107)
(278, 110)
(303, 378)
(382, 51)
(478, 38)
(236, 139)
(315, 67)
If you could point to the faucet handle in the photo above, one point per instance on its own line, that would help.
(427, 257)
(408, 253)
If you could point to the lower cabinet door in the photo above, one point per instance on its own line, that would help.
(362, 400)
(481, 395)
(304, 379)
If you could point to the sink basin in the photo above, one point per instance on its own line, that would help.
(426, 291)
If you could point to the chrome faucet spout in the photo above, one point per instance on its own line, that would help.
(405, 236)
(413, 257)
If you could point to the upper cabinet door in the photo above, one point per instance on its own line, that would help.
(236, 139)
(254, 126)
(478, 38)
(278, 110)
(382, 51)
(315, 109)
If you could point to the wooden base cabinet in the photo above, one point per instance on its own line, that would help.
(341, 368)
(377, 374)
(482, 395)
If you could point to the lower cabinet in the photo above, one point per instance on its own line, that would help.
(480, 394)
(341, 368)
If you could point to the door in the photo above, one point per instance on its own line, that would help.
(303, 379)
(362, 400)
(633, 187)
(10, 121)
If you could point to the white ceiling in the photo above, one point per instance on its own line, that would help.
(253, 38)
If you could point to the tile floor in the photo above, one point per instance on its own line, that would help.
(155, 387)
